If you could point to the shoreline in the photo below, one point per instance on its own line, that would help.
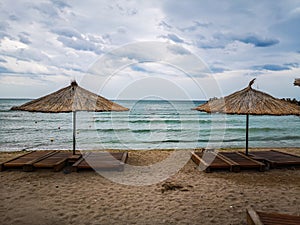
(46, 197)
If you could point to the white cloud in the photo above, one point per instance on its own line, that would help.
(8, 45)
(41, 40)
(23, 67)
(18, 80)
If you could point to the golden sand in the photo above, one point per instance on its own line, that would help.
(188, 197)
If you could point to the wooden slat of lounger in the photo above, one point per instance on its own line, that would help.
(98, 164)
(278, 219)
(288, 158)
(195, 156)
(252, 217)
(259, 164)
(263, 156)
(119, 155)
(277, 158)
(19, 161)
(106, 155)
(2, 166)
(199, 162)
(243, 161)
(124, 157)
(74, 158)
(101, 160)
(217, 163)
(234, 166)
(28, 166)
(107, 161)
(269, 155)
(235, 157)
(94, 159)
(56, 161)
(286, 153)
(264, 218)
(28, 158)
(53, 159)
(80, 160)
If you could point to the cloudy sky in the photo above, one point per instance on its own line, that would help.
(136, 49)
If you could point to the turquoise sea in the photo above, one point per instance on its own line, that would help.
(150, 124)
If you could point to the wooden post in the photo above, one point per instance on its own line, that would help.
(247, 129)
(74, 132)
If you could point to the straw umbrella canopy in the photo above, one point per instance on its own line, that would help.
(297, 82)
(72, 98)
(250, 102)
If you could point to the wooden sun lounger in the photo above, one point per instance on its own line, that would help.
(101, 161)
(232, 161)
(219, 162)
(243, 161)
(275, 159)
(263, 218)
(25, 161)
(56, 161)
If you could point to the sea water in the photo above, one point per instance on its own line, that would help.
(149, 124)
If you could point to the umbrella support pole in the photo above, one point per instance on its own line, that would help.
(247, 129)
(74, 132)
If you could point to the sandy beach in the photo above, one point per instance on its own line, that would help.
(45, 197)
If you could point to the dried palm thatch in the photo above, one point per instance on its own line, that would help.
(70, 99)
(297, 82)
(250, 101)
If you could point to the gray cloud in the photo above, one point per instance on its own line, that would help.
(60, 4)
(139, 68)
(165, 25)
(222, 40)
(292, 64)
(210, 45)
(47, 9)
(216, 69)
(2, 60)
(271, 67)
(72, 38)
(258, 41)
(288, 30)
(195, 26)
(14, 18)
(173, 37)
(178, 50)
(4, 34)
(4, 25)
(24, 38)
(67, 32)
(79, 44)
(4, 70)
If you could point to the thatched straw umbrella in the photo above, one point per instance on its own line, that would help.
(297, 82)
(250, 101)
(70, 99)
